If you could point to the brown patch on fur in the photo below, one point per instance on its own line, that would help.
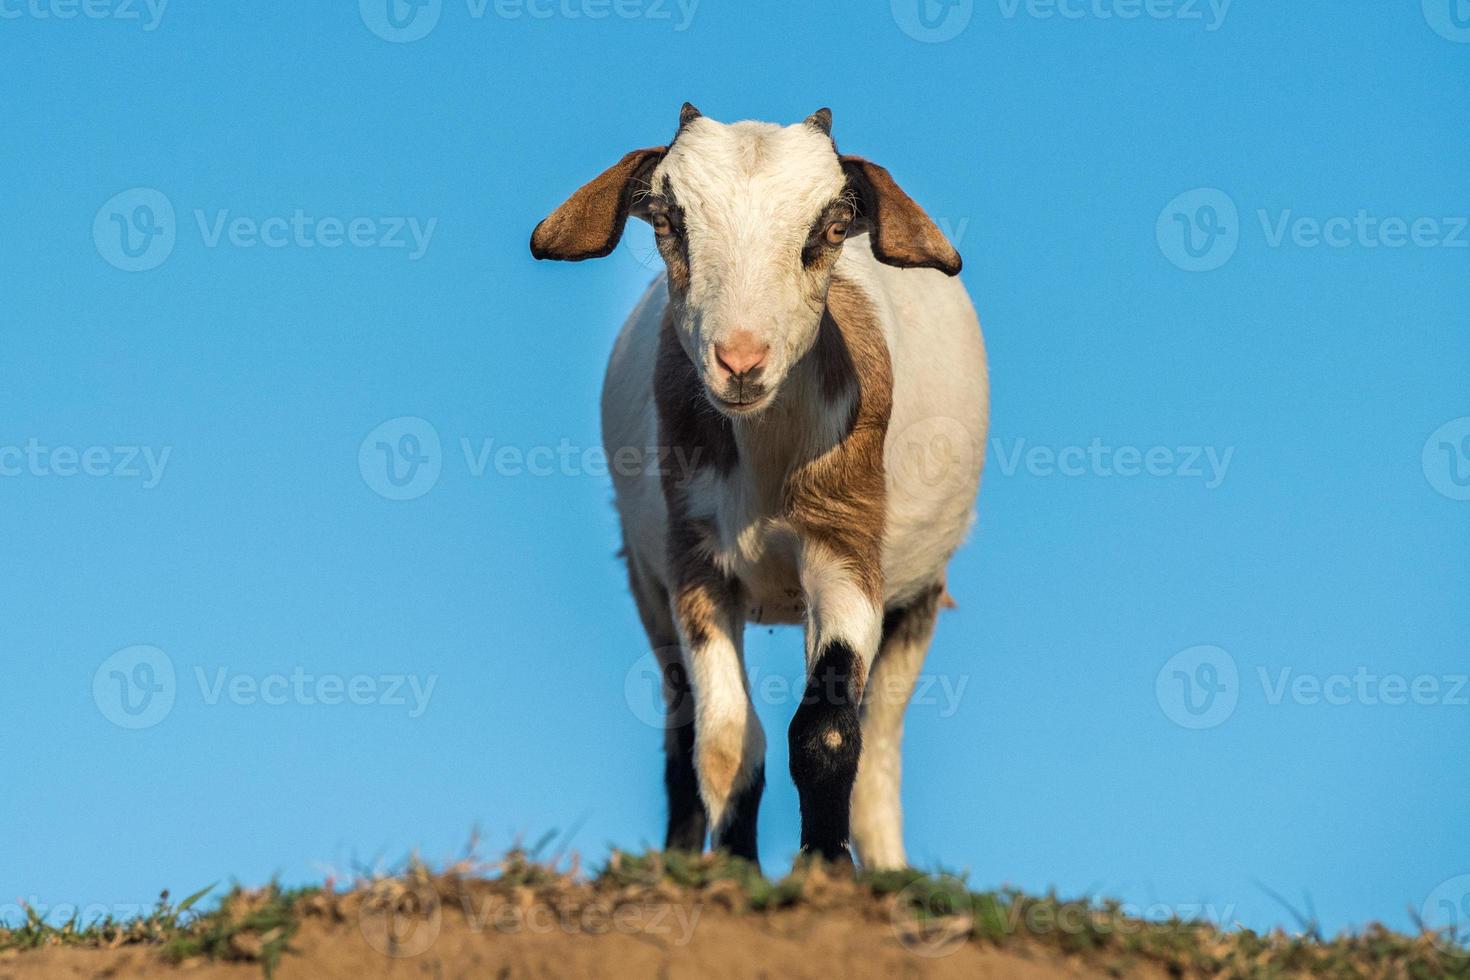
(902, 234)
(705, 601)
(590, 222)
(838, 499)
(719, 766)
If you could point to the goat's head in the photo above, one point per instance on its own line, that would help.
(749, 218)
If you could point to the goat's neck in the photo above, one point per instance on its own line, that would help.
(804, 420)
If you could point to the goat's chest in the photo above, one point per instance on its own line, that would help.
(750, 540)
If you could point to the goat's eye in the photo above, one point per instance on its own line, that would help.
(662, 226)
(836, 233)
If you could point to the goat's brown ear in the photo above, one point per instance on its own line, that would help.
(900, 232)
(590, 222)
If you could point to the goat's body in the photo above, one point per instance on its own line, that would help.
(934, 451)
(940, 396)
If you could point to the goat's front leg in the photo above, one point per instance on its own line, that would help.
(729, 744)
(844, 625)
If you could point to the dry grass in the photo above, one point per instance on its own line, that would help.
(923, 912)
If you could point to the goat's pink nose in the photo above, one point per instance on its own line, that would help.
(742, 352)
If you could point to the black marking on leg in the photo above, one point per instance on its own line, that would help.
(738, 837)
(826, 740)
(687, 818)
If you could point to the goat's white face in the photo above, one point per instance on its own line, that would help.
(749, 218)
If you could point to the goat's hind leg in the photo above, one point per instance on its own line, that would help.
(877, 813)
(687, 819)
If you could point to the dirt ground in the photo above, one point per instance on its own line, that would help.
(701, 918)
(796, 944)
(447, 927)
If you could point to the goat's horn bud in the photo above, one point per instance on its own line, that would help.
(687, 115)
(821, 119)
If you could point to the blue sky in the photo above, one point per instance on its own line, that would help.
(1212, 626)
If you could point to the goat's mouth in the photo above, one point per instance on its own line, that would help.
(748, 403)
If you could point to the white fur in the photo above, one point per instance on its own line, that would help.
(838, 607)
(750, 192)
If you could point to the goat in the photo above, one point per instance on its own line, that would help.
(806, 340)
